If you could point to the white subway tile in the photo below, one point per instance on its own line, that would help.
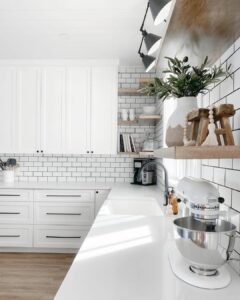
(226, 193)
(236, 200)
(213, 162)
(236, 79)
(214, 94)
(234, 61)
(226, 87)
(236, 120)
(236, 163)
(226, 163)
(236, 136)
(232, 179)
(219, 176)
(207, 173)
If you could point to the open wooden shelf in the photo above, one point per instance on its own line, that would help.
(140, 118)
(129, 92)
(149, 117)
(145, 153)
(137, 153)
(201, 152)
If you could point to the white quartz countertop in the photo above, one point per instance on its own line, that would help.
(56, 185)
(125, 255)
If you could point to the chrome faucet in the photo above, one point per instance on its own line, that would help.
(166, 185)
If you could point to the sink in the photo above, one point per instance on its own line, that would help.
(132, 206)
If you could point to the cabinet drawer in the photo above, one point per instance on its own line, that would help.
(16, 236)
(15, 195)
(62, 213)
(16, 212)
(59, 236)
(64, 195)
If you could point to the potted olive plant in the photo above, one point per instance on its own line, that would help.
(183, 82)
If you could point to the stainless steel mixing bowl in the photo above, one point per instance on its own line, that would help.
(206, 246)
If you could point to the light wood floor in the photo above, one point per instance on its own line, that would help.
(32, 276)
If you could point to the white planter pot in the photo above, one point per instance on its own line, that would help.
(177, 121)
(8, 176)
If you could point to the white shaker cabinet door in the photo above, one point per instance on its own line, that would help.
(8, 109)
(78, 110)
(52, 116)
(28, 110)
(104, 110)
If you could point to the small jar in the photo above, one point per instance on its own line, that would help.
(124, 114)
(131, 114)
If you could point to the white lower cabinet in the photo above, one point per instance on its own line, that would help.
(16, 235)
(46, 236)
(51, 218)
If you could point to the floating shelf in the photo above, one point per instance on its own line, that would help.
(145, 153)
(140, 118)
(199, 152)
(149, 117)
(134, 91)
(129, 92)
(137, 153)
(144, 81)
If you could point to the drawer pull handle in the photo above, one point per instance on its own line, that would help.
(10, 236)
(9, 213)
(10, 195)
(64, 214)
(62, 237)
(64, 196)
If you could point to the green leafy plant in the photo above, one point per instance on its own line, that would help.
(184, 80)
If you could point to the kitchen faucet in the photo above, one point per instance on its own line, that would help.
(166, 191)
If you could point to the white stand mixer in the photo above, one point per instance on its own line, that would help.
(198, 256)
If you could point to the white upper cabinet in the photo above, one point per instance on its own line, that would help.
(8, 109)
(58, 107)
(28, 110)
(104, 110)
(53, 109)
(78, 103)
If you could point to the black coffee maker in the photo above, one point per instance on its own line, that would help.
(148, 176)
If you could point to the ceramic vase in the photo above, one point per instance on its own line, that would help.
(177, 121)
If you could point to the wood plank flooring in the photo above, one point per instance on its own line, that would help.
(32, 276)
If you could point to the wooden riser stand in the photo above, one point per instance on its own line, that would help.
(200, 120)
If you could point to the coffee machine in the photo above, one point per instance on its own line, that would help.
(144, 175)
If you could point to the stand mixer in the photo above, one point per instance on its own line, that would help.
(203, 242)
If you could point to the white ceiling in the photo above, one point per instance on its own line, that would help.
(72, 29)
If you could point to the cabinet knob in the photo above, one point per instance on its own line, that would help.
(97, 192)
(87, 151)
(92, 151)
(37, 151)
(41, 151)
